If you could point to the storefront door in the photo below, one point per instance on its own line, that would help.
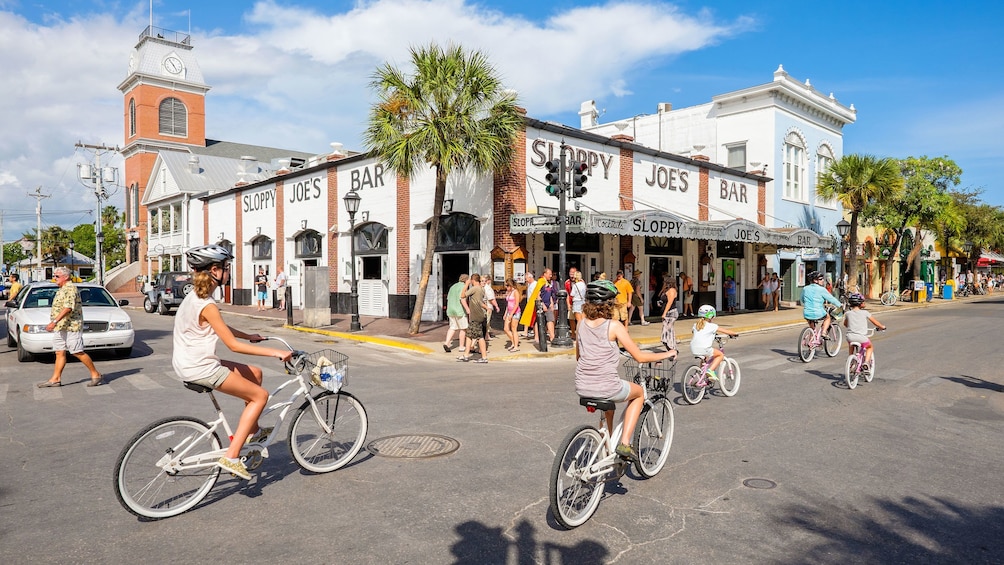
(657, 268)
(372, 285)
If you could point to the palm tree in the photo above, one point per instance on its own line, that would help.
(451, 114)
(858, 180)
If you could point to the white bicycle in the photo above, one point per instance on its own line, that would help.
(587, 460)
(170, 466)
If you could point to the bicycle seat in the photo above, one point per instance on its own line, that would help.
(196, 387)
(597, 403)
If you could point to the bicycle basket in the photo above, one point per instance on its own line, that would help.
(328, 368)
(837, 313)
(662, 372)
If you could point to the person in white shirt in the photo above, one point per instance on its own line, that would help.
(702, 344)
(280, 287)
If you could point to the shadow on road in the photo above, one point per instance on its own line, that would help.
(974, 382)
(483, 545)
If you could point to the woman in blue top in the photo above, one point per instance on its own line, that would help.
(814, 297)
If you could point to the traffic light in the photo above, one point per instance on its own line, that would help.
(553, 177)
(579, 178)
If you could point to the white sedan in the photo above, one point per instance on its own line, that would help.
(106, 325)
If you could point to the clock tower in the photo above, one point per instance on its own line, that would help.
(165, 110)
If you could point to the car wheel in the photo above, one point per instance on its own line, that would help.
(10, 340)
(187, 289)
(124, 353)
(148, 305)
(162, 308)
(22, 355)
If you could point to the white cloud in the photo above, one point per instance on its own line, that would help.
(298, 78)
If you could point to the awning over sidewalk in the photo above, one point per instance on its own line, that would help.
(656, 223)
(989, 258)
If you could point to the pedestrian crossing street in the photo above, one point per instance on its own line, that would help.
(149, 373)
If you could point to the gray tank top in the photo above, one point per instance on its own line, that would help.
(596, 371)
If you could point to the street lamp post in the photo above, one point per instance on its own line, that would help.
(73, 262)
(351, 200)
(968, 248)
(843, 228)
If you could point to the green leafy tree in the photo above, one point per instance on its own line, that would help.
(452, 113)
(55, 244)
(924, 204)
(14, 252)
(112, 227)
(983, 223)
(858, 181)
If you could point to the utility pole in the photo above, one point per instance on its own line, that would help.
(97, 176)
(38, 196)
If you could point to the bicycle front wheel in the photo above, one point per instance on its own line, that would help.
(851, 371)
(806, 350)
(692, 393)
(150, 485)
(835, 336)
(321, 452)
(574, 498)
(889, 298)
(654, 436)
(729, 377)
(870, 373)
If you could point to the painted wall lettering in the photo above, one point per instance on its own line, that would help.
(305, 190)
(365, 177)
(544, 151)
(259, 200)
(733, 191)
(668, 178)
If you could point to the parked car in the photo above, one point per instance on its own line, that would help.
(167, 290)
(106, 324)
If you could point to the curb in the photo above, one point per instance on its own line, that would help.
(365, 338)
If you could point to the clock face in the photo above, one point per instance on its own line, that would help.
(173, 65)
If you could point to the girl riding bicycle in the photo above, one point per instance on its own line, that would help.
(703, 339)
(856, 321)
(197, 327)
(597, 359)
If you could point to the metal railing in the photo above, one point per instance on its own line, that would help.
(167, 35)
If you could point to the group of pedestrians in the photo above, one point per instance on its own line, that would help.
(770, 292)
(261, 288)
(470, 304)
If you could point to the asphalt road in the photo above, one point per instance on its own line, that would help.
(905, 469)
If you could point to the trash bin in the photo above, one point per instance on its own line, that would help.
(947, 291)
(930, 290)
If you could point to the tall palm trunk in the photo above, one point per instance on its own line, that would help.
(852, 252)
(430, 251)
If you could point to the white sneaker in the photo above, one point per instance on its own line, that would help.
(644, 323)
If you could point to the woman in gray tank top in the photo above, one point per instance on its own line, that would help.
(597, 360)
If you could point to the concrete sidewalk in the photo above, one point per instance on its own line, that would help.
(393, 332)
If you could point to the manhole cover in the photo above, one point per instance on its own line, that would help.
(759, 483)
(413, 446)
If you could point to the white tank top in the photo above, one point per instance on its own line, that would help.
(194, 345)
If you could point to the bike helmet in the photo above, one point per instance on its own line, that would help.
(855, 299)
(707, 312)
(205, 256)
(600, 291)
(814, 276)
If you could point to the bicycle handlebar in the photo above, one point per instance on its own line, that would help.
(295, 363)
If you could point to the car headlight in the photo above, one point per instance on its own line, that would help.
(33, 329)
(119, 326)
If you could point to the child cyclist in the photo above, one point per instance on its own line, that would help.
(702, 343)
(197, 327)
(856, 321)
(598, 357)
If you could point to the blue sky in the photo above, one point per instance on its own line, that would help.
(924, 76)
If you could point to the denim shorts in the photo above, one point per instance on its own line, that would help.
(623, 394)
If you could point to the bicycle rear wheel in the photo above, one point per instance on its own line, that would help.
(851, 371)
(806, 350)
(145, 488)
(729, 377)
(889, 298)
(653, 437)
(321, 452)
(692, 393)
(574, 499)
(836, 337)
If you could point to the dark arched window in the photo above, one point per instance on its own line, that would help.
(371, 239)
(308, 244)
(458, 232)
(261, 248)
(173, 117)
(132, 117)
